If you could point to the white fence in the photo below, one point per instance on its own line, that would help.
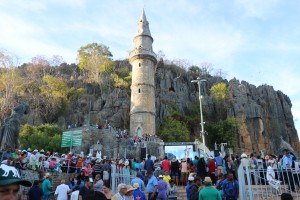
(119, 176)
(254, 184)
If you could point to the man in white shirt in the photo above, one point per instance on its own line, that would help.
(33, 159)
(61, 192)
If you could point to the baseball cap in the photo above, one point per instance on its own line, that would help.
(10, 175)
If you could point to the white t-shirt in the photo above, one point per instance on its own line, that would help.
(75, 195)
(46, 164)
(62, 192)
(273, 163)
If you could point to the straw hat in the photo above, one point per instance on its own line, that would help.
(207, 179)
(130, 188)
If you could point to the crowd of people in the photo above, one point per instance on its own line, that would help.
(204, 178)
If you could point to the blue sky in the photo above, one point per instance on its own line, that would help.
(252, 40)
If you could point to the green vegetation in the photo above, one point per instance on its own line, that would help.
(223, 131)
(95, 61)
(173, 130)
(221, 95)
(46, 136)
(220, 92)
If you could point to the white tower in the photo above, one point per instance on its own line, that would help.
(143, 61)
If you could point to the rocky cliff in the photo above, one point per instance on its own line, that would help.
(265, 114)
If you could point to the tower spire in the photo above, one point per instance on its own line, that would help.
(143, 25)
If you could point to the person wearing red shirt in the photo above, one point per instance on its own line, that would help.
(211, 165)
(166, 165)
(79, 164)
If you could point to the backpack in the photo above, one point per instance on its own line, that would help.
(219, 186)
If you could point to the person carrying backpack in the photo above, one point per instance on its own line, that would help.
(230, 188)
(194, 189)
(219, 184)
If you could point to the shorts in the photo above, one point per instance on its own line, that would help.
(174, 173)
(184, 173)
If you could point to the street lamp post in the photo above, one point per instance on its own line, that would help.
(201, 115)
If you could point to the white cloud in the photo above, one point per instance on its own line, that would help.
(24, 5)
(257, 8)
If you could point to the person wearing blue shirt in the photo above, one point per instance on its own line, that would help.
(7, 154)
(287, 161)
(219, 163)
(230, 187)
(188, 187)
(195, 161)
(137, 193)
(137, 166)
(149, 164)
(151, 187)
(138, 180)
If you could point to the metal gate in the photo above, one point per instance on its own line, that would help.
(118, 176)
(255, 186)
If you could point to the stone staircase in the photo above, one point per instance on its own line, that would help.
(181, 195)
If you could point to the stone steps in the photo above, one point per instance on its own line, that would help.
(181, 195)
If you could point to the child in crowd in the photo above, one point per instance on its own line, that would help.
(167, 177)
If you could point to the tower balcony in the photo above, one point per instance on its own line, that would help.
(142, 53)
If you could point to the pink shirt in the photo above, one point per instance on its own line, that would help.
(184, 167)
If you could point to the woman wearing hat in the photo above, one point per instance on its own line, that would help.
(129, 193)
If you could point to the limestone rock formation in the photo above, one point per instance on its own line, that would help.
(265, 113)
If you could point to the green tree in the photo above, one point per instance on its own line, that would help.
(9, 80)
(220, 92)
(195, 70)
(119, 82)
(46, 136)
(93, 50)
(173, 130)
(223, 131)
(56, 97)
(221, 95)
(96, 63)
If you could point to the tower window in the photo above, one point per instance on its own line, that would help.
(140, 64)
(139, 90)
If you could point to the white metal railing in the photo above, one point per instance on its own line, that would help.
(118, 176)
(254, 183)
